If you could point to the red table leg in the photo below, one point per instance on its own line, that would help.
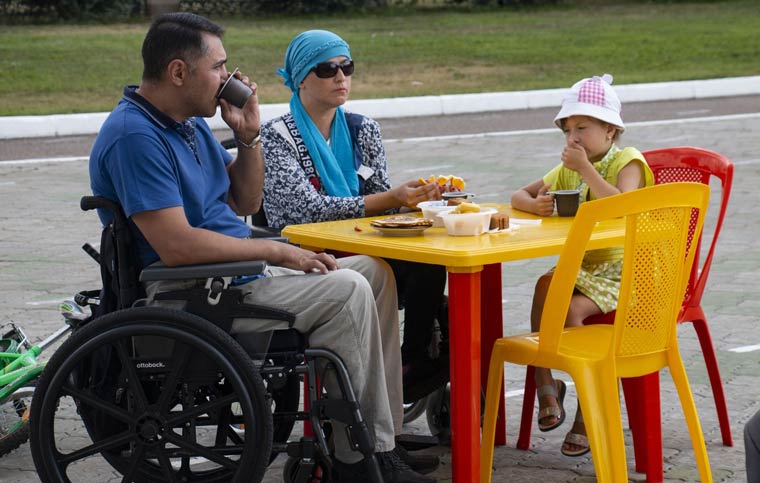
(492, 328)
(464, 346)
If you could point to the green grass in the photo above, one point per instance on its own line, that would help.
(65, 69)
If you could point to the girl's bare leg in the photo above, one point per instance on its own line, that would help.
(581, 307)
(543, 376)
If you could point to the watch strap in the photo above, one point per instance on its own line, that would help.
(250, 145)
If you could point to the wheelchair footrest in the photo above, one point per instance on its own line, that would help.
(414, 442)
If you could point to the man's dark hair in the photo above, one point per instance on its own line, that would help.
(175, 36)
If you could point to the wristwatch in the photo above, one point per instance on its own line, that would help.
(252, 144)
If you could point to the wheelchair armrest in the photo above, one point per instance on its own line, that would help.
(267, 232)
(159, 271)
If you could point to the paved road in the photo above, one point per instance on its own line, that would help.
(433, 125)
(41, 229)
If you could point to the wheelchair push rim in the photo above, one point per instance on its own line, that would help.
(181, 434)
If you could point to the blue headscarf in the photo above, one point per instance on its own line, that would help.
(334, 162)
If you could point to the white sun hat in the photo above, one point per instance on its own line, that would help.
(593, 97)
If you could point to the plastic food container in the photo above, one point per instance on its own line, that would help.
(467, 224)
(430, 209)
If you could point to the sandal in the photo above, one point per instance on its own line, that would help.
(576, 439)
(557, 391)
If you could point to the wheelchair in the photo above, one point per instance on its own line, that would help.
(147, 393)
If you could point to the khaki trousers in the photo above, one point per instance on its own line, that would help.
(353, 312)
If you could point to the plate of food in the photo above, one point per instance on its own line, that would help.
(401, 225)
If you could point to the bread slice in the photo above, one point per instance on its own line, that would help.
(401, 221)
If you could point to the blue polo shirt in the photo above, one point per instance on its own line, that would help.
(144, 160)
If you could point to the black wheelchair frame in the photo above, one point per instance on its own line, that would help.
(169, 395)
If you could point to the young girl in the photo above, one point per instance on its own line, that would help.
(591, 162)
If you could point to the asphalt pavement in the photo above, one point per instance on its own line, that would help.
(41, 230)
(413, 127)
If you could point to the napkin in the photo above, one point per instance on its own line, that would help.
(524, 221)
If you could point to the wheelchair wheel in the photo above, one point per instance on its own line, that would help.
(284, 399)
(438, 412)
(414, 410)
(14, 420)
(153, 394)
(319, 473)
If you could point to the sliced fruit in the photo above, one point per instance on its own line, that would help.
(468, 208)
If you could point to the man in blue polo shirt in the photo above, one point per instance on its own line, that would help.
(183, 192)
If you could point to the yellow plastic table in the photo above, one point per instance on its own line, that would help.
(474, 272)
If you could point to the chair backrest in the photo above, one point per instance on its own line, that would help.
(656, 262)
(690, 164)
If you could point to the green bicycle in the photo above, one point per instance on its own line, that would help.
(19, 370)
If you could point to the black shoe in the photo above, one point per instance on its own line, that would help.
(392, 468)
(421, 463)
(423, 375)
(347, 473)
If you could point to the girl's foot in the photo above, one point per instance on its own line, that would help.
(576, 442)
(551, 412)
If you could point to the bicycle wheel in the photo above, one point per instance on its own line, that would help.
(153, 394)
(14, 420)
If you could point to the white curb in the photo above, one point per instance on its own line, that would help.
(78, 124)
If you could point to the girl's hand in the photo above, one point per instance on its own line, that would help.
(543, 204)
(574, 157)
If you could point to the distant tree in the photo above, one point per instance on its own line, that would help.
(71, 9)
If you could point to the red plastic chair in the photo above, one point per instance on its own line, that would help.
(642, 394)
(700, 166)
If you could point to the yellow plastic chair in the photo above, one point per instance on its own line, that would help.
(656, 266)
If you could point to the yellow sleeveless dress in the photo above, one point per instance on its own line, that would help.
(599, 276)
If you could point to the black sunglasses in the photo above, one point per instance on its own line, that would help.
(326, 70)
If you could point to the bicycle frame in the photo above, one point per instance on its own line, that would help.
(18, 368)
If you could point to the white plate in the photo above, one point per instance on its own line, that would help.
(411, 231)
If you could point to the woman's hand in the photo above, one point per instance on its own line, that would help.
(413, 192)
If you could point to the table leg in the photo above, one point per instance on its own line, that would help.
(464, 346)
(492, 328)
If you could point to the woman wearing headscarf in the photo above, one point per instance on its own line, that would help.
(323, 163)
